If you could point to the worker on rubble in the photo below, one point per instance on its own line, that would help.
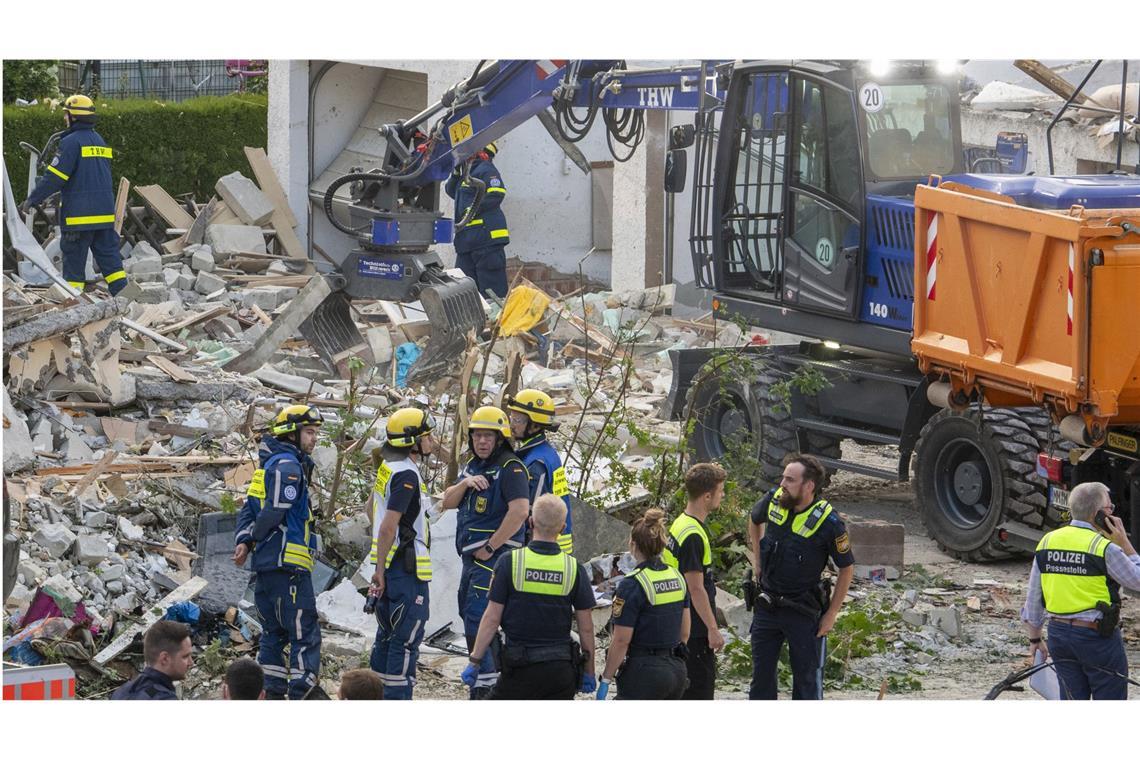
(532, 415)
(167, 652)
(651, 621)
(400, 537)
(689, 549)
(493, 501)
(536, 591)
(276, 524)
(793, 532)
(480, 244)
(1075, 581)
(81, 174)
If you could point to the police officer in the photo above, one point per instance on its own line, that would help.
(167, 652)
(493, 501)
(689, 549)
(480, 246)
(651, 621)
(535, 592)
(794, 532)
(400, 536)
(1075, 580)
(532, 414)
(276, 522)
(81, 174)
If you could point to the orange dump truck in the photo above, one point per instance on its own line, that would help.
(1018, 307)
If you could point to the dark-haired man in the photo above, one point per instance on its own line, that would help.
(166, 650)
(244, 680)
(793, 533)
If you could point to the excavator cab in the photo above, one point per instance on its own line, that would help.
(788, 203)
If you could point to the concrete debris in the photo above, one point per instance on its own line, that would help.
(244, 198)
(56, 540)
(235, 238)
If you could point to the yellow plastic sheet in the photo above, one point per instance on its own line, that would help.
(523, 309)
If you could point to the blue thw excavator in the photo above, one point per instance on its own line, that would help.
(803, 221)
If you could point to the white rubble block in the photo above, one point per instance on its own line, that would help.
(736, 616)
(170, 277)
(143, 266)
(948, 620)
(18, 451)
(75, 449)
(263, 298)
(64, 587)
(129, 530)
(91, 550)
(287, 382)
(380, 341)
(110, 571)
(324, 455)
(145, 250)
(245, 199)
(343, 608)
(235, 238)
(1003, 96)
(55, 538)
(203, 260)
(19, 599)
(125, 602)
(208, 283)
(153, 292)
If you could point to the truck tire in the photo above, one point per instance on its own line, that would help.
(1050, 441)
(728, 412)
(723, 413)
(970, 478)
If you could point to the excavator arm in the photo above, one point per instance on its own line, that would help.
(392, 213)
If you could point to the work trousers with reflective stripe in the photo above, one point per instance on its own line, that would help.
(806, 651)
(1098, 661)
(487, 267)
(402, 613)
(104, 244)
(474, 585)
(288, 610)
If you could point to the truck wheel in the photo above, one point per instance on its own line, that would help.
(723, 411)
(1049, 440)
(969, 478)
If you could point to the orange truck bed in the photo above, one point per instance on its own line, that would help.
(1029, 307)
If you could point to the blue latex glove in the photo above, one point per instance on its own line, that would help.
(470, 673)
(588, 684)
(603, 690)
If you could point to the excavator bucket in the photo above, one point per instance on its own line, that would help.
(453, 309)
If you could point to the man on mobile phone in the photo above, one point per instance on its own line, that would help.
(1075, 581)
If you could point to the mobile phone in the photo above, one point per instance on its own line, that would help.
(1100, 519)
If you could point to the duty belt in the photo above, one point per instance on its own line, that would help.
(651, 651)
(1075, 622)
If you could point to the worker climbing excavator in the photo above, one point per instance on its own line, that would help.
(392, 212)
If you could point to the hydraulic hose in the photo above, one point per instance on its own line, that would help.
(336, 185)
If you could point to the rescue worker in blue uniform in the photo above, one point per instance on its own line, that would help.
(81, 174)
(793, 532)
(536, 592)
(532, 414)
(400, 546)
(480, 245)
(689, 549)
(493, 501)
(276, 526)
(650, 621)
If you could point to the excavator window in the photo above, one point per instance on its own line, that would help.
(908, 130)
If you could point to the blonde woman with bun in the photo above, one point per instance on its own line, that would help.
(651, 621)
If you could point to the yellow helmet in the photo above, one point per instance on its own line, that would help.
(408, 425)
(492, 149)
(79, 105)
(293, 418)
(534, 404)
(490, 418)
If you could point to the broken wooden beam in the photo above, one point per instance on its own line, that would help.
(165, 206)
(183, 593)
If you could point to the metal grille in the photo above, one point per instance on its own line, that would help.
(892, 225)
(900, 278)
(162, 80)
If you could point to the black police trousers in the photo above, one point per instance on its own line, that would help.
(652, 677)
(806, 651)
(557, 679)
(700, 663)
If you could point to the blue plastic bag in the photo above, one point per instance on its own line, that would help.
(406, 355)
(183, 612)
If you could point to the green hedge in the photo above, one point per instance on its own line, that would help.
(185, 147)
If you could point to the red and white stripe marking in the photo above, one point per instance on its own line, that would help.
(546, 68)
(931, 255)
(1072, 257)
(43, 682)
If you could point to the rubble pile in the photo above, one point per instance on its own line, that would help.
(123, 426)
